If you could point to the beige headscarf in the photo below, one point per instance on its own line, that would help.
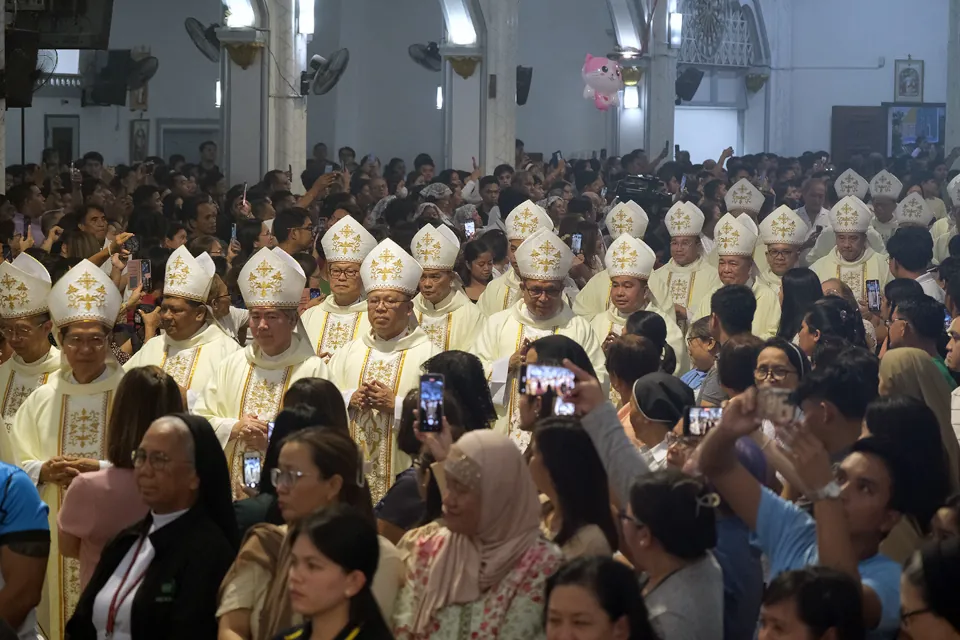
(465, 566)
(911, 372)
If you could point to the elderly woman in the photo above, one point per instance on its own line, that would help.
(483, 571)
(440, 195)
(555, 206)
(159, 578)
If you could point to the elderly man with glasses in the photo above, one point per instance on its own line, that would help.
(377, 369)
(192, 345)
(246, 390)
(543, 261)
(60, 430)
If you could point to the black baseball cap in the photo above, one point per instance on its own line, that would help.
(662, 397)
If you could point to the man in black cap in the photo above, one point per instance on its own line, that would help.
(658, 402)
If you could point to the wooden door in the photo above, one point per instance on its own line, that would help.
(857, 130)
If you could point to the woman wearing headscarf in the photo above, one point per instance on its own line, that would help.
(159, 578)
(482, 574)
(911, 372)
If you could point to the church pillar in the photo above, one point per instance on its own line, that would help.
(501, 19)
(952, 138)
(287, 111)
(658, 100)
(779, 121)
(243, 111)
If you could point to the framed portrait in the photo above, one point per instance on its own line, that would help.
(908, 81)
(139, 140)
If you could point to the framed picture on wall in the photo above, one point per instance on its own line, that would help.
(908, 81)
(139, 140)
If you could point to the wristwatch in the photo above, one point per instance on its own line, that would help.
(830, 491)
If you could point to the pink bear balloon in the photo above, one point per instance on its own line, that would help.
(604, 81)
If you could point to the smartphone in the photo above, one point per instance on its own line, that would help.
(269, 430)
(134, 273)
(575, 243)
(7, 253)
(539, 379)
(700, 420)
(947, 320)
(233, 231)
(132, 245)
(873, 295)
(469, 228)
(683, 183)
(774, 405)
(251, 468)
(431, 403)
(145, 275)
(244, 193)
(535, 157)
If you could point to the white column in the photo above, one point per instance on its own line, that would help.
(463, 118)
(287, 110)
(953, 73)
(777, 18)
(661, 86)
(243, 110)
(500, 65)
(3, 104)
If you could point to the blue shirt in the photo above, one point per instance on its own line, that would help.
(23, 517)
(693, 378)
(788, 536)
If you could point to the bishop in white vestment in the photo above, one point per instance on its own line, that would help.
(60, 429)
(342, 316)
(246, 391)
(736, 242)
(688, 277)
(25, 323)
(442, 309)
(544, 260)
(783, 234)
(851, 260)
(848, 184)
(630, 262)
(885, 190)
(625, 218)
(375, 371)
(192, 346)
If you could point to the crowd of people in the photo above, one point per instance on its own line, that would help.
(665, 400)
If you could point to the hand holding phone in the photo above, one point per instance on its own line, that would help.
(469, 228)
(774, 404)
(431, 403)
(252, 465)
(873, 295)
(576, 243)
(545, 380)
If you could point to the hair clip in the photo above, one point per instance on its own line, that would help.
(843, 315)
(708, 501)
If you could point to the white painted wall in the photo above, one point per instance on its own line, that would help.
(844, 40)
(705, 132)
(184, 87)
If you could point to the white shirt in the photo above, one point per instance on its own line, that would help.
(235, 320)
(930, 287)
(122, 628)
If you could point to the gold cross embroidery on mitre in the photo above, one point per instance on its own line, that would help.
(88, 294)
(13, 292)
(384, 267)
(728, 236)
(741, 195)
(783, 227)
(525, 222)
(680, 220)
(428, 247)
(883, 186)
(912, 209)
(624, 256)
(850, 185)
(346, 240)
(265, 279)
(546, 257)
(622, 223)
(847, 216)
(178, 273)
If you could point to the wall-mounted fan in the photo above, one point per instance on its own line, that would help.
(112, 74)
(141, 71)
(427, 55)
(205, 38)
(323, 74)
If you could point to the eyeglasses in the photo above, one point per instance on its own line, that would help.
(539, 293)
(776, 374)
(281, 478)
(18, 332)
(336, 273)
(781, 254)
(75, 343)
(158, 460)
(906, 615)
(892, 321)
(309, 228)
(373, 303)
(270, 318)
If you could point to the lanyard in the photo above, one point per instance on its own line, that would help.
(118, 600)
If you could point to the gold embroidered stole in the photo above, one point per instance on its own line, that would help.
(338, 329)
(854, 277)
(680, 286)
(522, 438)
(372, 429)
(437, 328)
(182, 365)
(16, 390)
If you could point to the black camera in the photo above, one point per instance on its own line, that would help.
(647, 191)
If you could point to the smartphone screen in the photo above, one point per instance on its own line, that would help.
(431, 403)
(683, 183)
(269, 430)
(251, 468)
(135, 274)
(700, 420)
(873, 295)
(244, 193)
(576, 242)
(315, 293)
(539, 379)
(469, 228)
(145, 274)
(233, 231)
(947, 320)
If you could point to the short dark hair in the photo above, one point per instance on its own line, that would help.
(734, 305)
(832, 315)
(824, 599)
(849, 382)
(288, 220)
(580, 205)
(202, 244)
(93, 155)
(143, 193)
(953, 246)
(210, 180)
(900, 288)
(423, 160)
(486, 181)
(631, 357)
(18, 194)
(671, 170)
(583, 179)
(270, 176)
(144, 394)
(925, 315)
(670, 504)
(191, 206)
(205, 144)
(737, 361)
(175, 158)
(510, 199)
(502, 169)
(912, 248)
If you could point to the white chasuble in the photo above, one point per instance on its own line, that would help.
(451, 324)
(251, 383)
(870, 266)
(504, 291)
(190, 362)
(766, 319)
(62, 418)
(594, 298)
(612, 321)
(330, 326)
(396, 364)
(502, 336)
(684, 285)
(18, 380)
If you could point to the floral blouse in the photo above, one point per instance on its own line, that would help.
(512, 610)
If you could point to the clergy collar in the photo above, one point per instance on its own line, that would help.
(409, 338)
(100, 378)
(298, 351)
(207, 333)
(866, 255)
(450, 303)
(522, 314)
(52, 354)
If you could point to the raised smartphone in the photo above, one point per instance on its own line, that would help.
(431, 403)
